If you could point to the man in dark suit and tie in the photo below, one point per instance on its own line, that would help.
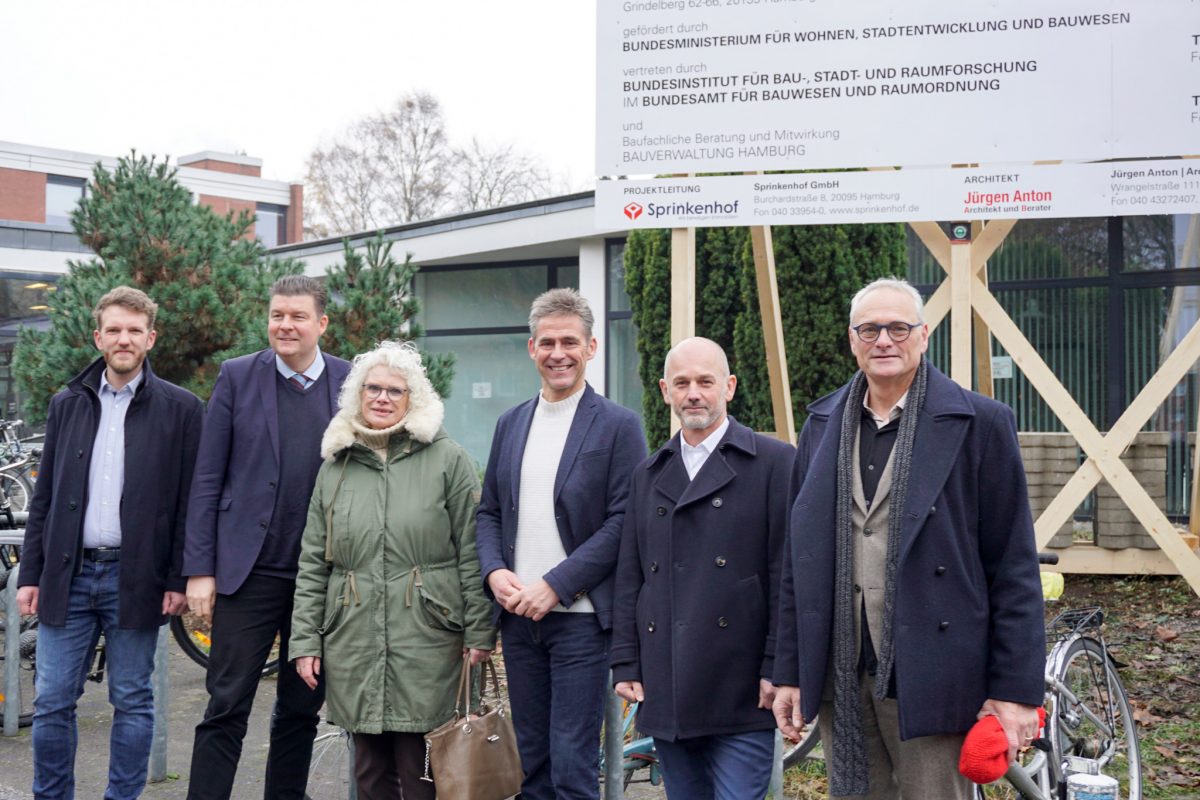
(258, 461)
(548, 533)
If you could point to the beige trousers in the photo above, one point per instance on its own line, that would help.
(925, 768)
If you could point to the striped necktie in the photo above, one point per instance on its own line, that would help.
(298, 383)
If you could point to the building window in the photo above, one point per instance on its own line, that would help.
(270, 224)
(62, 196)
(480, 314)
(624, 384)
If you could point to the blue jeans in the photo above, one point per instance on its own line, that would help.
(734, 766)
(63, 658)
(557, 679)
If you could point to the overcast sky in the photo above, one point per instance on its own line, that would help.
(276, 79)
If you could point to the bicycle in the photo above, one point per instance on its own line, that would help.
(637, 752)
(331, 770)
(194, 637)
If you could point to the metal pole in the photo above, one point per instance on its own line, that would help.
(776, 789)
(12, 656)
(614, 747)
(162, 704)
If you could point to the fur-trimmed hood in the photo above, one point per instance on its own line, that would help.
(422, 424)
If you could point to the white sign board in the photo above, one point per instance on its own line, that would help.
(741, 85)
(1117, 188)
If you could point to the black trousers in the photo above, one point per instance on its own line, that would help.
(243, 631)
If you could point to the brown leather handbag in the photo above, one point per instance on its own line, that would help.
(474, 755)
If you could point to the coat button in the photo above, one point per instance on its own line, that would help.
(651, 626)
(933, 509)
(512, 547)
(71, 505)
(867, 531)
(940, 571)
(717, 502)
(662, 511)
(943, 625)
(719, 561)
(262, 525)
(857, 589)
(66, 558)
(654, 566)
(722, 622)
(79, 454)
(271, 484)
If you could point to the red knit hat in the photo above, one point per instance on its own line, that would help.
(984, 756)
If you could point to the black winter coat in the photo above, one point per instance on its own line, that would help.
(162, 432)
(697, 585)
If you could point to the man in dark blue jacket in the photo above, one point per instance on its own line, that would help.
(95, 564)
(548, 532)
(911, 603)
(698, 587)
(255, 473)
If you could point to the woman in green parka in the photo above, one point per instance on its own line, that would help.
(389, 597)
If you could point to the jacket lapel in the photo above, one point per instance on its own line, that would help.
(522, 423)
(265, 378)
(940, 433)
(672, 480)
(585, 414)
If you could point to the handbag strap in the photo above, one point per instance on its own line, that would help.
(462, 699)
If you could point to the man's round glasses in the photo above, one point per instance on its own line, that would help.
(897, 331)
(394, 394)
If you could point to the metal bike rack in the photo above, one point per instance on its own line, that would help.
(12, 643)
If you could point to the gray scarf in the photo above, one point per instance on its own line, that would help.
(850, 769)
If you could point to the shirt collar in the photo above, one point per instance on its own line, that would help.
(130, 387)
(710, 442)
(312, 371)
(893, 414)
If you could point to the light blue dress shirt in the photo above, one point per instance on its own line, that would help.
(310, 374)
(106, 475)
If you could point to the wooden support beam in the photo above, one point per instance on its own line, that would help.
(772, 322)
(1103, 454)
(990, 240)
(960, 314)
(935, 241)
(938, 305)
(683, 290)
(983, 337)
(1088, 559)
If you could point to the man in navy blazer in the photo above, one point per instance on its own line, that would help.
(258, 460)
(911, 604)
(548, 533)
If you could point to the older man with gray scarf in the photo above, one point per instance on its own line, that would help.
(911, 604)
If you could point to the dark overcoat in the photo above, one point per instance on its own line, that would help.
(603, 446)
(238, 468)
(968, 620)
(162, 432)
(698, 585)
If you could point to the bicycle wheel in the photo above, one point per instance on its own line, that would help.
(1091, 718)
(16, 488)
(331, 770)
(810, 737)
(193, 635)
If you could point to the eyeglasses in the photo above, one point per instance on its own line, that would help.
(394, 394)
(897, 331)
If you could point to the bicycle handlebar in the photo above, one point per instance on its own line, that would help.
(1047, 558)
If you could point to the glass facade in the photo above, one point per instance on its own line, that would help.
(270, 224)
(480, 313)
(62, 196)
(23, 303)
(624, 384)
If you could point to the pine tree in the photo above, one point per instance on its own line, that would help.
(210, 282)
(648, 283)
(371, 300)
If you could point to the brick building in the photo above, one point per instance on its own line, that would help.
(40, 186)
